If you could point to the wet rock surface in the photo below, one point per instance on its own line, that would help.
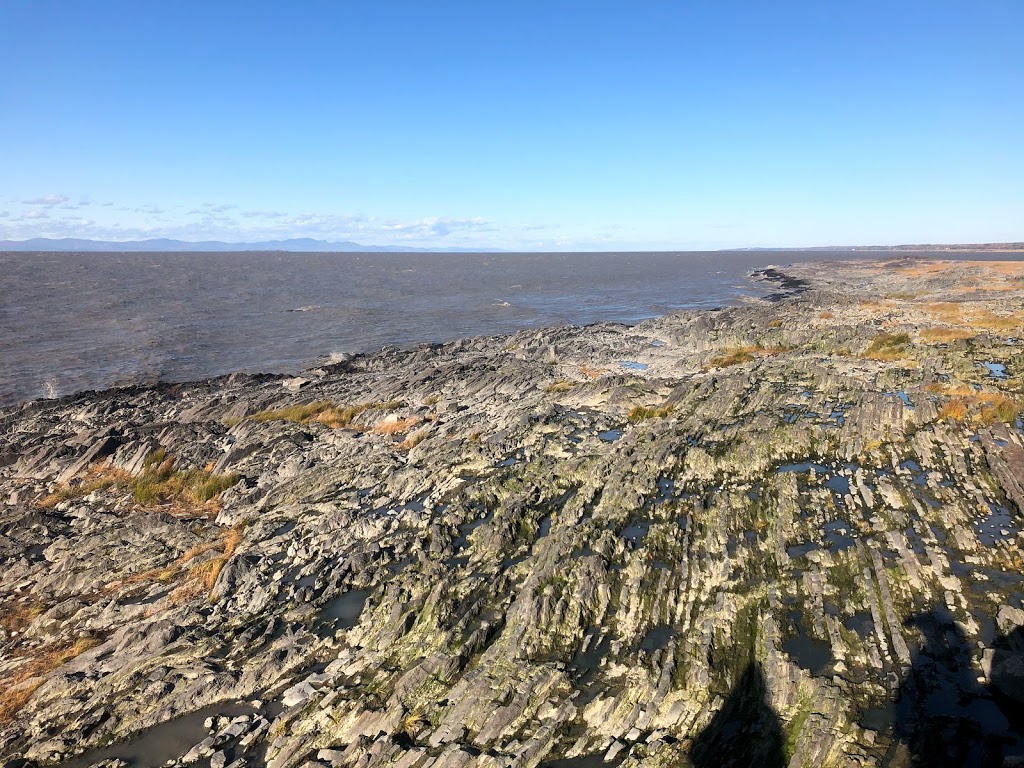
(782, 534)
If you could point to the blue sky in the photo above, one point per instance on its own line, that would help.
(532, 125)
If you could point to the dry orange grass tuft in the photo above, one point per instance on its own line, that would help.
(100, 477)
(199, 578)
(944, 335)
(744, 354)
(186, 491)
(414, 439)
(16, 616)
(396, 427)
(979, 406)
(23, 681)
(232, 538)
(591, 372)
(945, 311)
(193, 552)
(955, 409)
(974, 317)
(323, 412)
(207, 573)
(15, 696)
(990, 321)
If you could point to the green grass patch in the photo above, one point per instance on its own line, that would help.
(643, 412)
(888, 346)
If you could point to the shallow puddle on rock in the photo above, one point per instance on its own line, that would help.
(462, 540)
(861, 623)
(636, 531)
(811, 654)
(879, 719)
(633, 365)
(837, 535)
(163, 742)
(808, 652)
(596, 650)
(342, 612)
(903, 396)
(995, 370)
(284, 529)
(610, 435)
(589, 761)
(731, 545)
(800, 550)
(839, 484)
(803, 466)
(657, 638)
(998, 526)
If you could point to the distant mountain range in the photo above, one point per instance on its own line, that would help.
(303, 244)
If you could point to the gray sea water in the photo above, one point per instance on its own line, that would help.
(78, 321)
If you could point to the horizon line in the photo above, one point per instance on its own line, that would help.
(1004, 246)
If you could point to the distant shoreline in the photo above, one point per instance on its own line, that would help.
(308, 245)
(936, 248)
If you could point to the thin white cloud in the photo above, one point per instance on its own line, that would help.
(47, 200)
(4, 214)
(225, 222)
(263, 214)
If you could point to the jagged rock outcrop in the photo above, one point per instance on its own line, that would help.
(797, 519)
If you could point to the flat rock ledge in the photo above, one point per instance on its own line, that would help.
(786, 533)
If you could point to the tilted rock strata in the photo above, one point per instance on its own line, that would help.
(492, 564)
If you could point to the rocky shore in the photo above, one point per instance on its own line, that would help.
(787, 533)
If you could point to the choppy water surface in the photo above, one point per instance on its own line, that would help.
(75, 321)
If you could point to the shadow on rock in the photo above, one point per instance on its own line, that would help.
(943, 715)
(746, 732)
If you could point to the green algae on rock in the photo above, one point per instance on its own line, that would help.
(805, 557)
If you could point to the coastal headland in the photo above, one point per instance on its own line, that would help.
(784, 533)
